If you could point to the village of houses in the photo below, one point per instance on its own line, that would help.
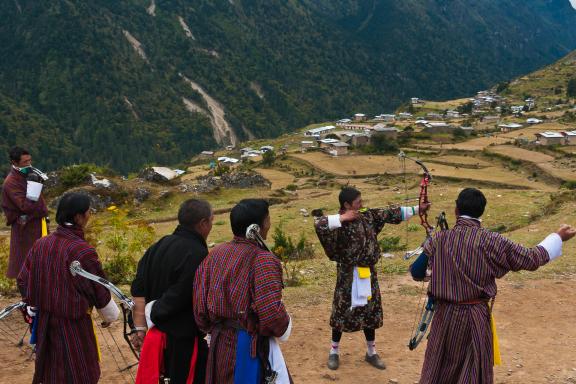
(486, 115)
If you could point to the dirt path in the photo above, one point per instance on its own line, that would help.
(534, 319)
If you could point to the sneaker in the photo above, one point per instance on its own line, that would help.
(375, 361)
(333, 361)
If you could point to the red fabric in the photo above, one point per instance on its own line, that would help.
(151, 365)
(192, 371)
(151, 357)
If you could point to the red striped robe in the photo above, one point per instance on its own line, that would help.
(23, 234)
(465, 262)
(66, 348)
(237, 281)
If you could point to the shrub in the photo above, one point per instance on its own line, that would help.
(268, 158)
(75, 175)
(291, 254)
(6, 285)
(391, 244)
(120, 244)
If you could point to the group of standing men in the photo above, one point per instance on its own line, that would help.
(216, 317)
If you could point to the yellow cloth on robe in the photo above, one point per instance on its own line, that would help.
(496, 345)
(95, 335)
(44, 227)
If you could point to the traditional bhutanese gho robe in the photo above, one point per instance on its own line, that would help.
(66, 350)
(465, 262)
(165, 277)
(355, 244)
(25, 218)
(238, 301)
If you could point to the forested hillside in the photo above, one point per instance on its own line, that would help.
(124, 83)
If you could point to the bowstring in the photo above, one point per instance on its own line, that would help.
(112, 354)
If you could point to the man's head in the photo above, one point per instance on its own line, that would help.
(350, 198)
(196, 215)
(247, 212)
(471, 202)
(73, 208)
(19, 157)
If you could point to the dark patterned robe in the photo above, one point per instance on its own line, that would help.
(241, 283)
(24, 232)
(355, 244)
(465, 262)
(66, 350)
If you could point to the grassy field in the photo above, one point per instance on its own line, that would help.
(372, 165)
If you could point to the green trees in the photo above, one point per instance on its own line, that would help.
(268, 158)
(571, 88)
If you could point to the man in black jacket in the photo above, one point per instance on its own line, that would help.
(162, 291)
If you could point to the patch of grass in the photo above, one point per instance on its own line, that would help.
(6, 285)
(409, 290)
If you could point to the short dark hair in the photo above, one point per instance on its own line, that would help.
(348, 195)
(192, 211)
(15, 153)
(70, 205)
(471, 202)
(247, 212)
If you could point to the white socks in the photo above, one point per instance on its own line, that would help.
(334, 348)
(371, 345)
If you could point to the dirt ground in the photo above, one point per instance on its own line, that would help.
(534, 320)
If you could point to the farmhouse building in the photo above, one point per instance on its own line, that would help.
(317, 132)
(550, 138)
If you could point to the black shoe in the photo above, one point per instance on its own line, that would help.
(333, 361)
(375, 361)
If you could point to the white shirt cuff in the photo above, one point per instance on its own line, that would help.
(110, 312)
(334, 221)
(553, 245)
(148, 312)
(288, 331)
(408, 212)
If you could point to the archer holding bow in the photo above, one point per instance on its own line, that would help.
(350, 239)
(462, 265)
(66, 348)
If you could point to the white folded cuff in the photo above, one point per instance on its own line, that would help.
(334, 221)
(288, 331)
(32, 311)
(408, 212)
(110, 312)
(148, 312)
(553, 245)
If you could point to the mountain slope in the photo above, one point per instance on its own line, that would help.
(140, 81)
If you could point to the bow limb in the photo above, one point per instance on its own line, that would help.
(423, 326)
(126, 304)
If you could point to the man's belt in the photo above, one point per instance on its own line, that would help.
(467, 302)
(229, 324)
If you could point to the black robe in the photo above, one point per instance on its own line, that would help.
(166, 274)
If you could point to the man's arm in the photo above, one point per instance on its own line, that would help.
(178, 296)
(200, 294)
(509, 256)
(98, 295)
(18, 198)
(272, 315)
(419, 267)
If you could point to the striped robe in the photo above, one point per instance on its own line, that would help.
(465, 262)
(355, 244)
(66, 350)
(237, 282)
(23, 233)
